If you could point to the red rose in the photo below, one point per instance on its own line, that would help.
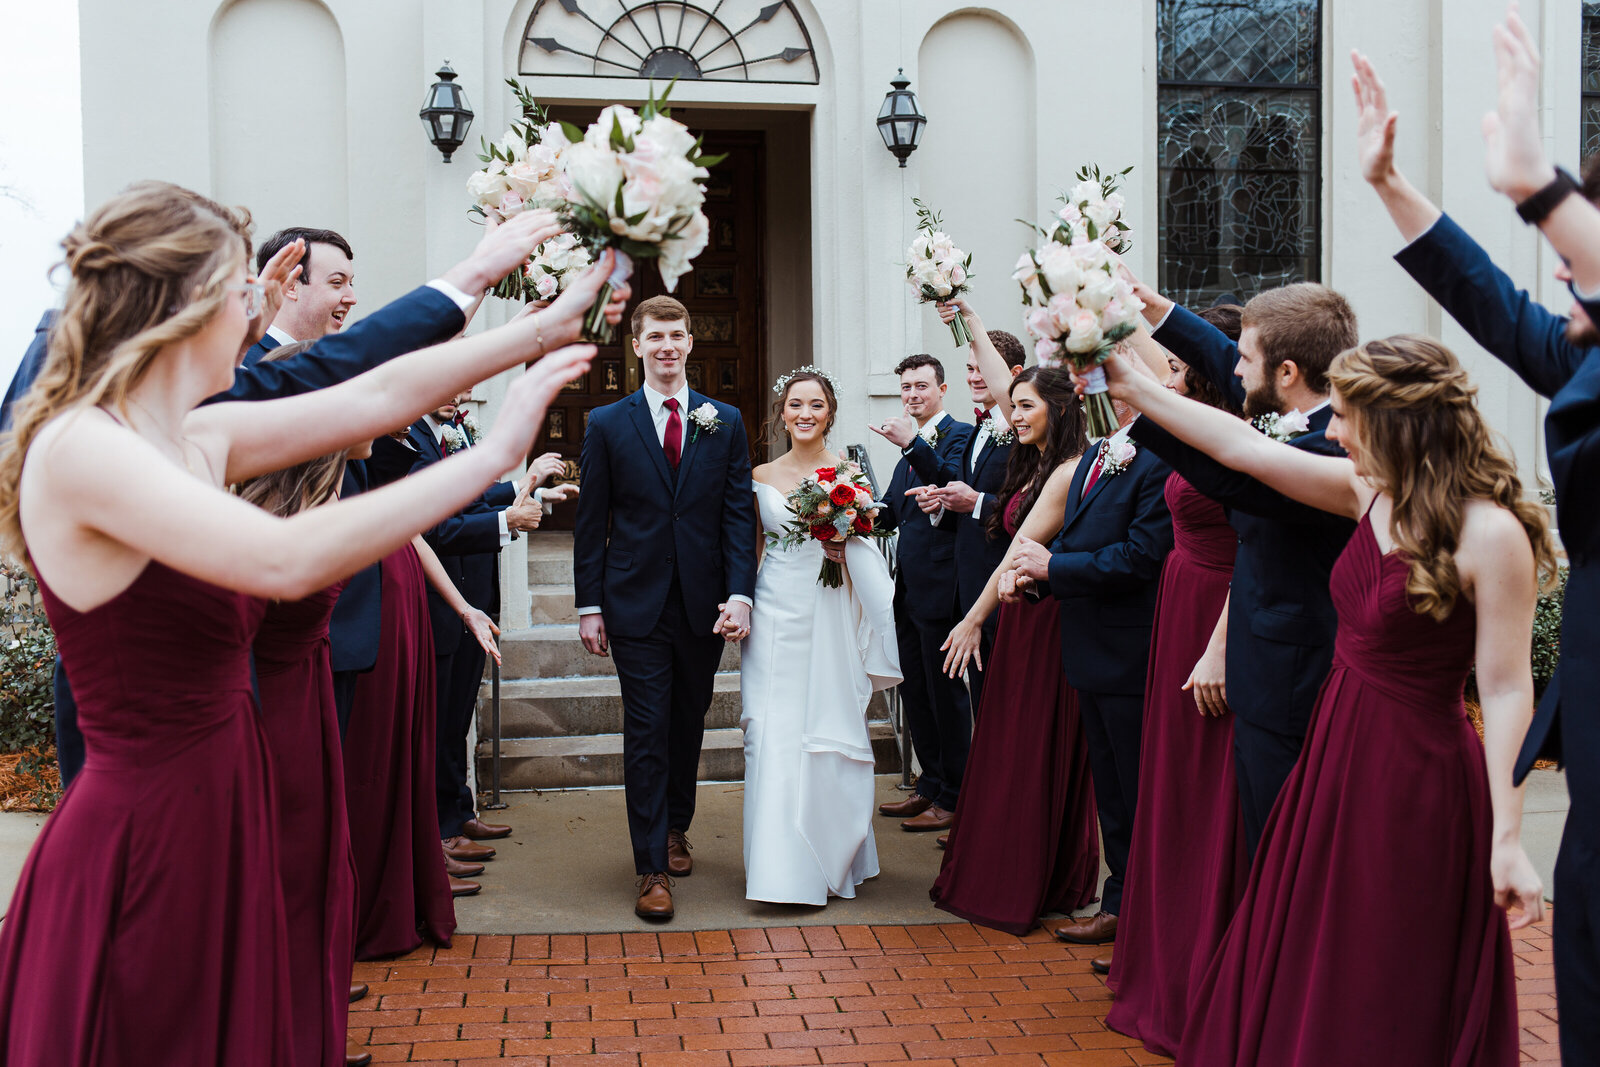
(862, 525)
(843, 495)
(823, 532)
(827, 474)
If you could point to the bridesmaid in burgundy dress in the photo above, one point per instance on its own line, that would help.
(1025, 840)
(1373, 926)
(115, 951)
(1187, 866)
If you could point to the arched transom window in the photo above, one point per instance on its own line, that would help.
(1239, 99)
(720, 40)
(1590, 122)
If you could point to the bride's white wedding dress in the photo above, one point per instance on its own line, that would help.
(812, 661)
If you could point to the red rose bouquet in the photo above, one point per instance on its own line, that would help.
(835, 505)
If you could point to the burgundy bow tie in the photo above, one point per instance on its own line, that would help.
(980, 413)
(460, 417)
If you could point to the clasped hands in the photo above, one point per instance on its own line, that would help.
(1030, 568)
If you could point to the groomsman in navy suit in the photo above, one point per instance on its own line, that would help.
(969, 495)
(1281, 622)
(1559, 358)
(1105, 568)
(317, 300)
(937, 708)
(664, 556)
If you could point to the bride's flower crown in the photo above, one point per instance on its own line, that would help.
(783, 382)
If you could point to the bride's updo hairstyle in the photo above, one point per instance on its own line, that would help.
(1424, 442)
(1066, 436)
(775, 424)
(148, 268)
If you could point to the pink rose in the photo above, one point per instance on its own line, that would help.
(546, 286)
(510, 204)
(1041, 323)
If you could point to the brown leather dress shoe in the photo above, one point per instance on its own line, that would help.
(943, 841)
(655, 898)
(935, 818)
(354, 1054)
(460, 848)
(461, 888)
(357, 991)
(1098, 929)
(1100, 965)
(457, 869)
(679, 863)
(479, 830)
(915, 804)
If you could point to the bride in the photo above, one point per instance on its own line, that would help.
(812, 661)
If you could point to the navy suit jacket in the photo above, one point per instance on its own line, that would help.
(259, 350)
(977, 554)
(28, 369)
(638, 524)
(1532, 341)
(357, 622)
(1105, 569)
(1281, 622)
(926, 583)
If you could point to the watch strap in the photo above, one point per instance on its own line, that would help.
(1537, 207)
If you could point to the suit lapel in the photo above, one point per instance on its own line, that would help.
(1079, 477)
(691, 442)
(646, 426)
(423, 439)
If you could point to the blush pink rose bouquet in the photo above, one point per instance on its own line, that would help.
(936, 269)
(1081, 305)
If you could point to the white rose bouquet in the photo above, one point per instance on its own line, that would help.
(554, 265)
(637, 183)
(1081, 306)
(520, 171)
(937, 269)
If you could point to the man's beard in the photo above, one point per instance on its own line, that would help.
(1582, 332)
(1263, 400)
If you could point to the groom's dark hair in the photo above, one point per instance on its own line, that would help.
(921, 359)
(662, 309)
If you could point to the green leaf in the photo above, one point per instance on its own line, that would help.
(572, 132)
(710, 161)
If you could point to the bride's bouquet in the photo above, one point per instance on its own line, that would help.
(522, 170)
(637, 185)
(1082, 306)
(835, 505)
(937, 269)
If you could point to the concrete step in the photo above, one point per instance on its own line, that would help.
(550, 559)
(553, 650)
(552, 603)
(565, 707)
(596, 760)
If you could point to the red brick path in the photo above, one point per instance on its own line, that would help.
(952, 994)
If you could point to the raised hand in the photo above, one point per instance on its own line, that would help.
(563, 319)
(558, 493)
(1375, 123)
(926, 500)
(521, 414)
(1515, 161)
(547, 466)
(899, 430)
(504, 248)
(949, 309)
(280, 270)
(483, 630)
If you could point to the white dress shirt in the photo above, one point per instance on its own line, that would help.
(280, 335)
(980, 441)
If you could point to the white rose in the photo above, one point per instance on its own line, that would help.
(1026, 271)
(524, 178)
(546, 286)
(677, 253)
(598, 135)
(486, 188)
(1060, 271)
(1085, 335)
(1090, 255)
(595, 174)
(512, 145)
(1098, 289)
(1100, 213)
(1084, 191)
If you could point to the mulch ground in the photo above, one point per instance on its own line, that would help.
(949, 994)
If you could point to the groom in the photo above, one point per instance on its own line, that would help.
(664, 559)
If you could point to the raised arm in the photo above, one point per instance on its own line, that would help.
(1042, 524)
(263, 437)
(1325, 482)
(996, 373)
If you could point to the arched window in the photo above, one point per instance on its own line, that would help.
(1239, 100)
(1589, 123)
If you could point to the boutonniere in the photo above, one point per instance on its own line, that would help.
(452, 439)
(705, 420)
(1285, 427)
(1119, 453)
(1001, 432)
(932, 434)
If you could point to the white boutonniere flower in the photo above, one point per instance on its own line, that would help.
(705, 420)
(469, 426)
(1001, 432)
(1119, 453)
(931, 433)
(452, 439)
(1285, 427)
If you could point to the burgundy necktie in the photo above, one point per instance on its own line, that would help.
(1094, 471)
(673, 441)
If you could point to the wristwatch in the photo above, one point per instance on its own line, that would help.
(1537, 207)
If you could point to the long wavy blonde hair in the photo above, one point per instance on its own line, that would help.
(148, 268)
(1424, 442)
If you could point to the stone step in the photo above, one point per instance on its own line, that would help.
(552, 603)
(550, 560)
(564, 707)
(595, 760)
(553, 650)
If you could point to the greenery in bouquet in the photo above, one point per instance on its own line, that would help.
(938, 270)
(1081, 304)
(636, 184)
(834, 505)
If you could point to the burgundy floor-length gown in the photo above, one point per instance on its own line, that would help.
(316, 867)
(1025, 840)
(1368, 932)
(404, 893)
(148, 925)
(1188, 864)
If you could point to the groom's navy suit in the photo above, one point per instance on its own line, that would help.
(937, 708)
(1532, 341)
(422, 317)
(1105, 569)
(1281, 621)
(657, 550)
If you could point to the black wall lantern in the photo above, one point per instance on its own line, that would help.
(445, 113)
(899, 121)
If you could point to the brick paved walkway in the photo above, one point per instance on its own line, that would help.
(952, 994)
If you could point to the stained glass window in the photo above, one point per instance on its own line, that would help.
(1589, 123)
(1239, 102)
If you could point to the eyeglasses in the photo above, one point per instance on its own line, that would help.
(255, 297)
